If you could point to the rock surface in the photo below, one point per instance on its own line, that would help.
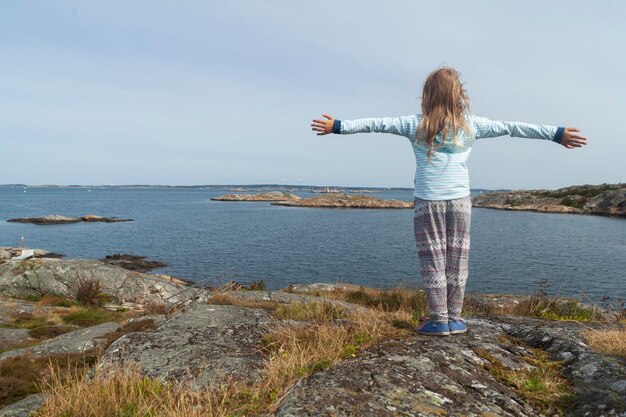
(37, 277)
(418, 376)
(8, 252)
(9, 337)
(598, 380)
(269, 196)
(132, 262)
(80, 340)
(341, 200)
(605, 199)
(24, 407)
(198, 346)
(58, 219)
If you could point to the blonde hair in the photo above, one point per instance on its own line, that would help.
(444, 105)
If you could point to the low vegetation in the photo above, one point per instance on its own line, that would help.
(20, 376)
(542, 385)
(90, 317)
(612, 341)
(291, 351)
(582, 191)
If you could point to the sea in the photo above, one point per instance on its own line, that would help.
(214, 242)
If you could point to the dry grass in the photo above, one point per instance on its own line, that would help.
(407, 302)
(309, 311)
(20, 375)
(536, 305)
(225, 298)
(291, 352)
(611, 341)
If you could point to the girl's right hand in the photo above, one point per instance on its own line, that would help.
(326, 126)
(571, 140)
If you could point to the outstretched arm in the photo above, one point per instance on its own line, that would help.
(395, 125)
(566, 136)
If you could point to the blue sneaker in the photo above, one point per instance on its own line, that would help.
(457, 326)
(434, 329)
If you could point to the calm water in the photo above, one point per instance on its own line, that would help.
(199, 238)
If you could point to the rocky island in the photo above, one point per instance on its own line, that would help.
(269, 196)
(341, 200)
(307, 350)
(604, 199)
(58, 219)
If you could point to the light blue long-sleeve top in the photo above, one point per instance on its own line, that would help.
(444, 175)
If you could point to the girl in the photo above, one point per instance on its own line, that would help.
(442, 138)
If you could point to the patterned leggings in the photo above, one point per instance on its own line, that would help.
(442, 236)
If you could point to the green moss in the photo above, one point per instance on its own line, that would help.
(91, 317)
(314, 366)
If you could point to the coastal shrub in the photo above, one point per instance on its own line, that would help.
(89, 293)
(567, 201)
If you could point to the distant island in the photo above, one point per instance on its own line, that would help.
(269, 196)
(342, 200)
(603, 199)
(325, 200)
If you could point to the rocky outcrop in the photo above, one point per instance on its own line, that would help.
(598, 380)
(198, 346)
(420, 375)
(605, 199)
(58, 219)
(8, 252)
(9, 337)
(341, 200)
(37, 277)
(132, 262)
(447, 376)
(23, 408)
(269, 196)
(81, 340)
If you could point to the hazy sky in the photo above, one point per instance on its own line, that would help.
(215, 92)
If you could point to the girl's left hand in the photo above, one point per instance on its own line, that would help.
(324, 127)
(571, 140)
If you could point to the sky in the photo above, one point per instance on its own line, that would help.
(223, 92)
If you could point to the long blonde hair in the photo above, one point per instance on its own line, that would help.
(444, 104)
